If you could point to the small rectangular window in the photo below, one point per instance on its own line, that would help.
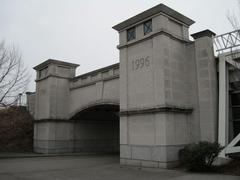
(43, 72)
(131, 34)
(147, 27)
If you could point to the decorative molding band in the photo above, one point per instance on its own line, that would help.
(152, 110)
(107, 68)
(52, 75)
(66, 121)
(165, 109)
(154, 146)
(94, 82)
(53, 121)
(150, 36)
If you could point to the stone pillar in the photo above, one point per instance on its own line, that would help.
(154, 99)
(207, 85)
(53, 133)
(223, 124)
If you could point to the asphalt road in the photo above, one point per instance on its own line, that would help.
(89, 167)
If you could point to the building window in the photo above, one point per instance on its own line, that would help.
(131, 34)
(43, 72)
(147, 27)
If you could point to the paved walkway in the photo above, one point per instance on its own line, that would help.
(89, 167)
(30, 155)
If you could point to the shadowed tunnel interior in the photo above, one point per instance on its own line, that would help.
(96, 129)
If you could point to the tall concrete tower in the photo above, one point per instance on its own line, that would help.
(159, 102)
(52, 133)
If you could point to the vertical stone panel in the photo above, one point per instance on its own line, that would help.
(207, 85)
(123, 79)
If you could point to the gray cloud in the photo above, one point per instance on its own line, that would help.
(80, 31)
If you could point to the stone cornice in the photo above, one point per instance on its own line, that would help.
(53, 61)
(163, 109)
(161, 8)
(205, 33)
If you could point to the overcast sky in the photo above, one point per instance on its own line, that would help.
(80, 31)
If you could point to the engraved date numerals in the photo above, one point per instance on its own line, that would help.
(140, 63)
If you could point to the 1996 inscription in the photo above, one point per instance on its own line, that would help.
(140, 63)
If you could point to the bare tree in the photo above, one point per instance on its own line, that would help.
(14, 77)
(233, 18)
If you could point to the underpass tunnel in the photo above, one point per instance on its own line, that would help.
(96, 129)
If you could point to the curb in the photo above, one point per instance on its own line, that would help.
(48, 155)
(40, 155)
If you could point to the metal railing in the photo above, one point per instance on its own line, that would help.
(227, 42)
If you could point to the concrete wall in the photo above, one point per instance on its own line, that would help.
(82, 136)
(53, 137)
(153, 140)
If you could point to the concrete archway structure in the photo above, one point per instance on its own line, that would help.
(60, 96)
(165, 85)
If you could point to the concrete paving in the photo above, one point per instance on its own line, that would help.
(8, 155)
(89, 167)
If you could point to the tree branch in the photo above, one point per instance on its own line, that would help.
(13, 76)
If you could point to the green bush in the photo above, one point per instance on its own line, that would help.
(199, 156)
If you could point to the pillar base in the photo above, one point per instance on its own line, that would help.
(150, 156)
(53, 146)
(149, 164)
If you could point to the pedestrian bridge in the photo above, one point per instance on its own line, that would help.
(161, 96)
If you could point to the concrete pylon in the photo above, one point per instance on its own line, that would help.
(51, 107)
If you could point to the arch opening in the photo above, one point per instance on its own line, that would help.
(96, 129)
